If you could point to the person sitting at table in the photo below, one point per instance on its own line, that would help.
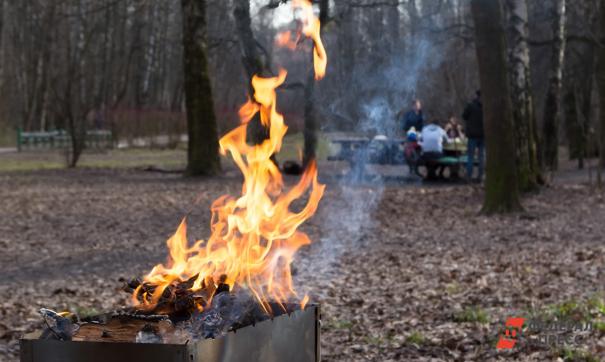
(432, 138)
(412, 151)
(453, 128)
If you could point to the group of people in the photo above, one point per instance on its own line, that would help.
(427, 139)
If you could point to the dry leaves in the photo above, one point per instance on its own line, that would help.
(402, 273)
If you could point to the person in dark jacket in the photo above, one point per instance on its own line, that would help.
(414, 117)
(473, 115)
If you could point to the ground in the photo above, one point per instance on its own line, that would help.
(402, 272)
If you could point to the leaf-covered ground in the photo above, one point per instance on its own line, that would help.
(402, 273)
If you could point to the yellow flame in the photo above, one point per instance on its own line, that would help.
(311, 28)
(254, 236)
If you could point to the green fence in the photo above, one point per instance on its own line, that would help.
(96, 139)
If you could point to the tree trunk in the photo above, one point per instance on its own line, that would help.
(521, 97)
(253, 63)
(552, 112)
(575, 142)
(202, 153)
(600, 76)
(311, 124)
(501, 186)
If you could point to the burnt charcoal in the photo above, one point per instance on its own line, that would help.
(222, 285)
(184, 303)
(188, 284)
(222, 288)
(216, 320)
(134, 283)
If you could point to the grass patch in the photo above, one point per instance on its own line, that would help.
(581, 311)
(576, 355)
(596, 304)
(599, 326)
(453, 288)
(415, 338)
(567, 309)
(375, 341)
(8, 137)
(49, 159)
(340, 324)
(293, 145)
(113, 159)
(471, 315)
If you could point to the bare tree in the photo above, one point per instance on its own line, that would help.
(253, 60)
(521, 92)
(552, 109)
(202, 153)
(601, 86)
(501, 188)
(311, 127)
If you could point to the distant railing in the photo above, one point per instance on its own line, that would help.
(95, 139)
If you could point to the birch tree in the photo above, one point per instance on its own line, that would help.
(601, 86)
(552, 108)
(523, 108)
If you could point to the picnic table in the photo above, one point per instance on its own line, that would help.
(359, 151)
(378, 150)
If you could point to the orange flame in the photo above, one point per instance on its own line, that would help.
(311, 28)
(254, 236)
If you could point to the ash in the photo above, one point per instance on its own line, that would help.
(228, 312)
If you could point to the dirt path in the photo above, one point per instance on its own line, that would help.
(402, 273)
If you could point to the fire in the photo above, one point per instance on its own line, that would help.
(311, 28)
(254, 236)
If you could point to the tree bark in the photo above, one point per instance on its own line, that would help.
(600, 77)
(552, 112)
(253, 63)
(576, 144)
(202, 153)
(501, 184)
(523, 108)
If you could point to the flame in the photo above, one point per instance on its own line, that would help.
(254, 236)
(311, 28)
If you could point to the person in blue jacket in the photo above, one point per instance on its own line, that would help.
(414, 117)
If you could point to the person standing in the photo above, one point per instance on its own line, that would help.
(414, 117)
(473, 116)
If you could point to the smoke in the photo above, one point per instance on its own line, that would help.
(384, 87)
(376, 93)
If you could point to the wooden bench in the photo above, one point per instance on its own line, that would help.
(454, 163)
(97, 139)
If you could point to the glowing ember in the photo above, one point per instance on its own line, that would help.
(254, 236)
